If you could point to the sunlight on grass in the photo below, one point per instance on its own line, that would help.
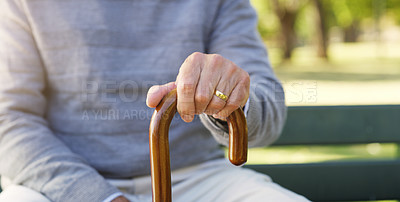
(371, 50)
(317, 92)
(380, 201)
(307, 154)
(277, 156)
(355, 74)
(344, 57)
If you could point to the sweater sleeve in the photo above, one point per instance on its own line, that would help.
(30, 155)
(235, 37)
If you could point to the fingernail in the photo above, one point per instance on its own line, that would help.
(219, 117)
(208, 112)
(188, 118)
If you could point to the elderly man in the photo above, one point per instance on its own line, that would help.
(74, 82)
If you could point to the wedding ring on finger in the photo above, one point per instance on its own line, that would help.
(221, 95)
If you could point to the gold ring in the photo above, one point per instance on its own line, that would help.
(221, 95)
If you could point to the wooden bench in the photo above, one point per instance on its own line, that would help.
(347, 180)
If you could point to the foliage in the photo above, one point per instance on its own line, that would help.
(393, 10)
(346, 12)
(350, 18)
(268, 21)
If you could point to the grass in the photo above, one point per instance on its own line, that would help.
(342, 54)
(356, 74)
(302, 154)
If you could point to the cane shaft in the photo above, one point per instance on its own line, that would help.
(159, 145)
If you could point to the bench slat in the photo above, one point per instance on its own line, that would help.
(338, 181)
(341, 125)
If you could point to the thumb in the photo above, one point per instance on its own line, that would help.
(157, 92)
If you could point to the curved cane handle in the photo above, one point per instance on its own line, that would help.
(159, 145)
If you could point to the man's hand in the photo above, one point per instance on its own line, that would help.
(120, 199)
(198, 79)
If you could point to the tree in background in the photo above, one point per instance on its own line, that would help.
(287, 12)
(393, 10)
(344, 14)
(348, 15)
(293, 23)
(322, 38)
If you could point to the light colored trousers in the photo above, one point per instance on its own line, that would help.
(216, 180)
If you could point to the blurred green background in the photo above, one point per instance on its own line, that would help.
(346, 51)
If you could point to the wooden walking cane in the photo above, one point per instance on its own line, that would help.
(159, 145)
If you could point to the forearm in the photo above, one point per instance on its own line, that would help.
(267, 113)
(30, 154)
(235, 37)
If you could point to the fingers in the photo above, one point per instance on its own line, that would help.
(237, 98)
(199, 76)
(209, 79)
(226, 85)
(157, 92)
(234, 101)
(186, 84)
(216, 104)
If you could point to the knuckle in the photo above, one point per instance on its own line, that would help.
(217, 57)
(216, 105)
(196, 56)
(246, 78)
(186, 88)
(201, 98)
(153, 89)
(233, 105)
(231, 69)
(217, 60)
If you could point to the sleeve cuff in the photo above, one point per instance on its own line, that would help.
(218, 128)
(246, 107)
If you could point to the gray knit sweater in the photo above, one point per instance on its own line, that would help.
(73, 81)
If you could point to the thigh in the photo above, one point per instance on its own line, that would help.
(224, 182)
(20, 193)
(136, 190)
